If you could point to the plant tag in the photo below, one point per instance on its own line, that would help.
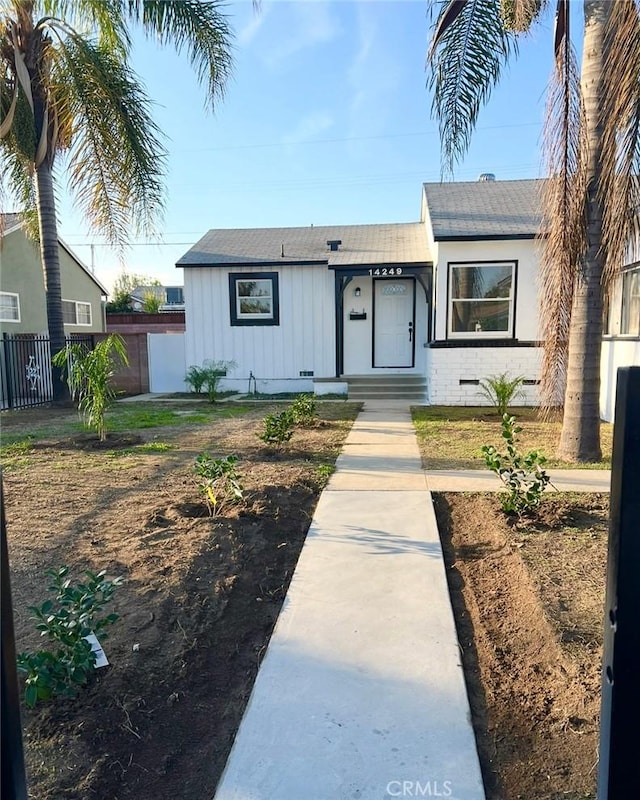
(96, 647)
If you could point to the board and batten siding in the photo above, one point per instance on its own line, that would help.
(303, 341)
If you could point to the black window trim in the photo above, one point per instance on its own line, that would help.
(234, 277)
(507, 335)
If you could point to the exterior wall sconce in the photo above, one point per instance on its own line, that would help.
(356, 291)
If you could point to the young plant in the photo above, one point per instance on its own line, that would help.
(90, 374)
(74, 613)
(500, 391)
(196, 378)
(522, 475)
(278, 428)
(304, 411)
(214, 371)
(218, 481)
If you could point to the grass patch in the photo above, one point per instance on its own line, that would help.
(451, 437)
(134, 416)
(147, 447)
(14, 454)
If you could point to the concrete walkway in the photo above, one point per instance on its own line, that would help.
(361, 694)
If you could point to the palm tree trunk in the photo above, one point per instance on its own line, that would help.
(51, 269)
(580, 437)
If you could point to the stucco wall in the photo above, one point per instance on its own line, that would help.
(21, 273)
(616, 353)
(358, 333)
(523, 252)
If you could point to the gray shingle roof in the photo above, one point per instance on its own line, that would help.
(484, 209)
(404, 243)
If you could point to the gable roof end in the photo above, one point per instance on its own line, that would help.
(476, 210)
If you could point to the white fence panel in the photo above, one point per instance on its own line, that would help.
(167, 362)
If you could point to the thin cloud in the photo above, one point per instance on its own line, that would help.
(256, 22)
(308, 25)
(309, 127)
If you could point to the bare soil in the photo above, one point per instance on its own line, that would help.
(199, 602)
(528, 600)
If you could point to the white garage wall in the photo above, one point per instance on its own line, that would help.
(274, 354)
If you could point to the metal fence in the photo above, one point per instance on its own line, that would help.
(25, 369)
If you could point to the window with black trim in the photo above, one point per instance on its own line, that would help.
(630, 317)
(253, 298)
(9, 307)
(481, 299)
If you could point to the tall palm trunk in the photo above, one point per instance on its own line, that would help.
(51, 269)
(580, 438)
(46, 205)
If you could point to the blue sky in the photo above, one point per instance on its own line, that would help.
(326, 120)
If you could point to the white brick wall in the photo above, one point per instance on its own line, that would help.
(448, 366)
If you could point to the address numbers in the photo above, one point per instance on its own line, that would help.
(385, 272)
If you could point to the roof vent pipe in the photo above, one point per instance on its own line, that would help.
(486, 177)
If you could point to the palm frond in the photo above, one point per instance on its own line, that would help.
(564, 226)
(620, 184)
(469, 51)
(115, 156)
(199, 27)
(17, 184)
(104, 18)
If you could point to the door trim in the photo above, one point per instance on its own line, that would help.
(373, 322)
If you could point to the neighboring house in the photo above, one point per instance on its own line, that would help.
(22, 296)
(621, 342)
(446, 301)
(171, 297)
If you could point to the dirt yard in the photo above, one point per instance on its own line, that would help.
(198, 604)
(529, 604)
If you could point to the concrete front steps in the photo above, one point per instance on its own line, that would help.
(412, 388)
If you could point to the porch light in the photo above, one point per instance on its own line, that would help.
(356, 291)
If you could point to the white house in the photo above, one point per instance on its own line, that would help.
(425, 308)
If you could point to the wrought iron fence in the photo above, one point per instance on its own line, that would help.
(25, 369)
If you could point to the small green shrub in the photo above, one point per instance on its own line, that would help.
(304, 410)
(208, 377)
(72, 615)
(278, 428)
(522, 475)
(219, 481)
(324, 472)
(500, 391)
(195, 378)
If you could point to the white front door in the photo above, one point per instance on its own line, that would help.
(394, 322)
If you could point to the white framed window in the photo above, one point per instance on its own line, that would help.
(253, 298)
(481, 299)
(75, 312)
(630, 317)
(9, 307)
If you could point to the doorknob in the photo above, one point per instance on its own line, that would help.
(410, 331)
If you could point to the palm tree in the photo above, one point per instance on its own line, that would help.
(592, 192)
(68, 94)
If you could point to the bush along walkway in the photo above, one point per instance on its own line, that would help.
(361, 692)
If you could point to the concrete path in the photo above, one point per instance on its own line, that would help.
(471, 480)
(361, 694)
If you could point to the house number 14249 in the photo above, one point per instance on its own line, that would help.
(386, 271)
